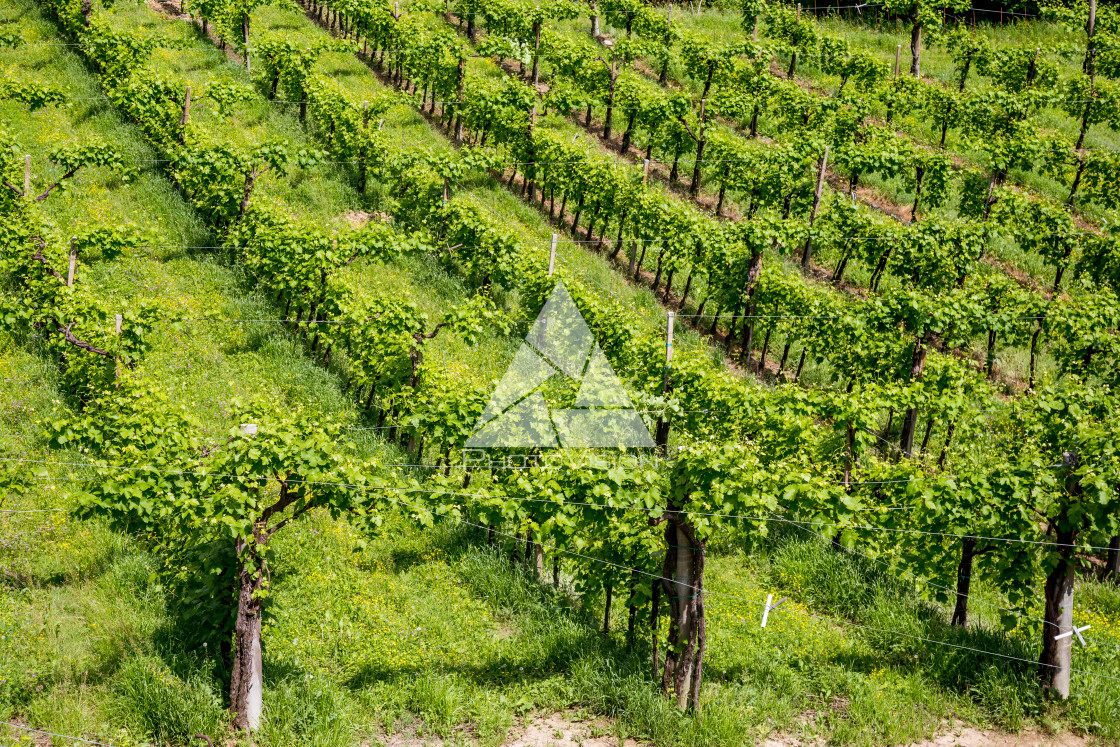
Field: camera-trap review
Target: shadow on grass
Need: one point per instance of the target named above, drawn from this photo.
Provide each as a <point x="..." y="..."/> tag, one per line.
<point x="554" y="629"/>
<point x="905" y="633"/>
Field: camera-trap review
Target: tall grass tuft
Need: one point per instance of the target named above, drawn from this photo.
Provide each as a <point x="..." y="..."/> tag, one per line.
<point x="309" y="711"/>
<point x="440" y="700"/>
<point x="829" y="579"/>
<point x="153" y="703"/>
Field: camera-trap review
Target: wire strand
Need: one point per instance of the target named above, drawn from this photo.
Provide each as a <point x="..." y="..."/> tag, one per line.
<point x="827" y="618"/>
<point x="367" y="488"/>
<point x="51" y="733"/>
<point x="916" y="576"/>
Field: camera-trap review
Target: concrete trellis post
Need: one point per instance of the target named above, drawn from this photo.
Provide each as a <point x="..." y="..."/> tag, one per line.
<point x="769" y="607"/>
<point x="186" y="108"/>
<point x="661" y="438"/>
<point x="117" y="358"/>
<point x="73" y="260"/>
<point x="807" y="252"/>
<point x="668" y="350"/>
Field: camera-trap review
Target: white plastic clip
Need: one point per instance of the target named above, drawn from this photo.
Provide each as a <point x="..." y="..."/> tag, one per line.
<point x="766" y="612"/>
<point x="1076" y="631"/>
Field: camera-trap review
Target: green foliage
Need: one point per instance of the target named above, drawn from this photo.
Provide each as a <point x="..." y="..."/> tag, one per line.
<point x="226" y="95"/>
<point x="486" y="253"/>
<point x="220" y="180"/>
<point x="752" y="10"/>
<point x="72" y="157"/>
<point x="967" y="47"/>
<point x="784" y="26"/>
<point x="117" y="54"/>
<point x="35" y="96"/>
<point x="1093" y="102"/>
<point x="1019" y="69"/>
<point x="1102" y="178"/>
<point x="200" y="500"/>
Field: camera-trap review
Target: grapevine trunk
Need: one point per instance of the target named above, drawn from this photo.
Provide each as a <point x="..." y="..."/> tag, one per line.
<point x="685" y="650"/>
<point x="964" y="580"/>
<point x="245" y="694"/>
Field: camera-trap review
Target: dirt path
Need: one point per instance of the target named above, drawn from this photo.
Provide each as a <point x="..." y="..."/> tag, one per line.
<point x="572" y="729"/>
<point x="969" y="737"/>
<point x="963" y="736"/>
<point x="535" y="730"/>
<point x="175" y="11"/>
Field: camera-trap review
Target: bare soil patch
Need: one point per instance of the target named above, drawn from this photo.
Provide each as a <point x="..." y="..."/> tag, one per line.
<point x="565" y="730"/>
<point x="357" y="218"/>
<point x="174" y="10"/>
<point x="962" y="737"/>
<point x="535" y="730"/>
<point x="978" y="738"/>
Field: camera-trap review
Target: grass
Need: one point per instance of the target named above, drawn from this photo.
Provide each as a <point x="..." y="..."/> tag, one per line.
<point x="148" y="697"/>
<point x="403" y="629"/>
<point x="82" y="613"/>
<point x="431" y="632"/>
